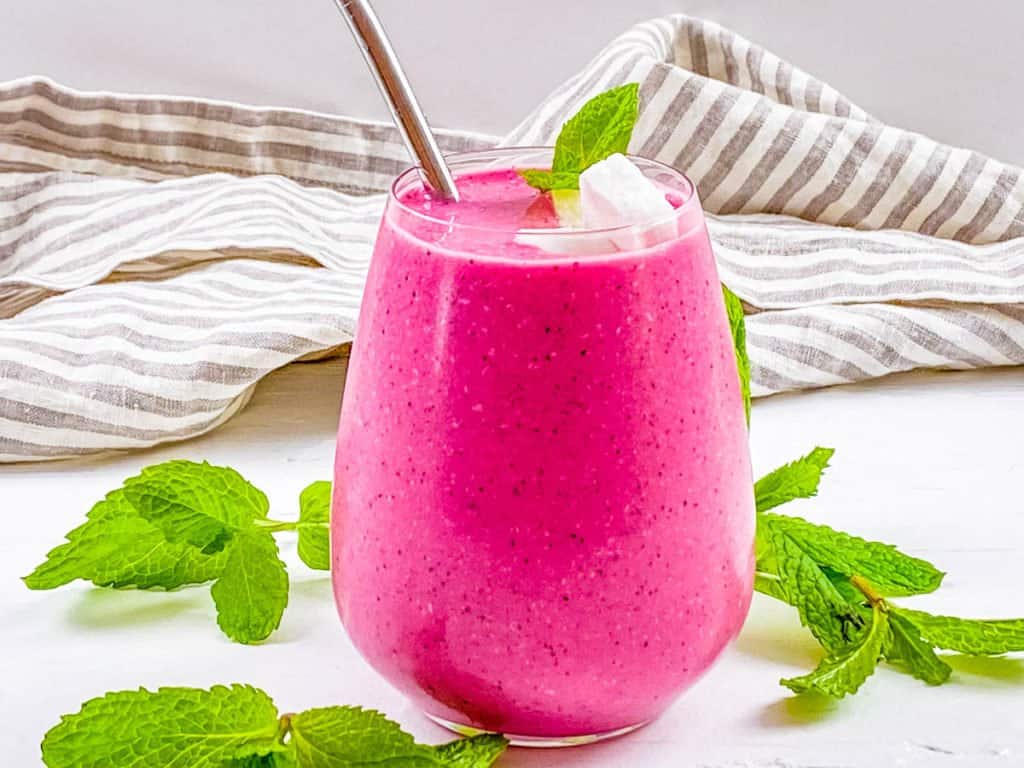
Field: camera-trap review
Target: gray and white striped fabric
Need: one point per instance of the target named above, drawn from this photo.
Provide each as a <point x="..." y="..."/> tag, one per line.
<point x="159" y="256"/>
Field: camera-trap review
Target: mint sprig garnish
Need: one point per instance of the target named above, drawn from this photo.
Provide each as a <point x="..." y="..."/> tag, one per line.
<point x="601" y="128"/>
<point x="841" y="584"/>
<point x="738" y="327"/>
<point x="238" y="726"/>
<point x="182" y="523"/>
<point x="547" y="181"/>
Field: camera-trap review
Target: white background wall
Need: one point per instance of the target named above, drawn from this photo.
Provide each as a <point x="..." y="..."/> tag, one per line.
<point x="951" y="69"/>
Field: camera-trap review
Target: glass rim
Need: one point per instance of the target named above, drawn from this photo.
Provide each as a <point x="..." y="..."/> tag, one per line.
<point x="456" y="159"/>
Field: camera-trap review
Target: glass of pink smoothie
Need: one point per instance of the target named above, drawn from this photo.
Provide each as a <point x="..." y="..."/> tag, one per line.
<point x="543" y="516"/>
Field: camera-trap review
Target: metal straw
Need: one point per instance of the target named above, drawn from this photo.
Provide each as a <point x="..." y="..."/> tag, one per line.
<point x="391" y="80"/>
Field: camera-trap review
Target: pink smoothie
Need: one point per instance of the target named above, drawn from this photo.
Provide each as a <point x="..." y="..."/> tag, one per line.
<point x="543" y="514"/>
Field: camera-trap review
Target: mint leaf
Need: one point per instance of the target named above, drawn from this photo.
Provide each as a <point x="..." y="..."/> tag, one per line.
<point x="350" y="737"/>
<point x="977" y="637"/>
<point x="284" y="759"/>
<point x="770" y="585"/>
<point x="602" y="127"/>
<point x="738" y="327"/>
<point x="345" y="737"/>
<point x="846" y="588"/>
<point x="238" y="727"/>
<point x="181" y="523"/>
<point x="909" y="650"/>
<point x="843" y="673"/>
<point x="315" y="525"/>
<point x="168" y="727"/>
<point x="197" y="504"/>
<point x="890" y="571"/>
<point x="546" y="181"/>
<point x="117" y="548"/>
<point x="475" y="752"/>
<point x="839" y="583"/>
<point x="252" y="592"/>
<point x="797" y="480"/>
<point x="793" y="576"/>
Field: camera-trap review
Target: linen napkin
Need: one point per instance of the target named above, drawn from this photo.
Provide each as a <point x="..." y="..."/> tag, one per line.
<point x="159" y="256"/>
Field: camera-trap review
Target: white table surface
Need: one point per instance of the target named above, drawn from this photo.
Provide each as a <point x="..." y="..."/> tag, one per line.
<point x="932" y="462"/>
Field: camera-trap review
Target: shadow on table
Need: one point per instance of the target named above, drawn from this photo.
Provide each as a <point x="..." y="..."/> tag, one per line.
<point x="118" y="609"/>
<point x="795" y="711"/>
<point x="316" y="588"/>
<point x="782" y="643"/>
<point x="111" y="609"/>
<point x="990" y="671"/>
<point x="771" y="634"/>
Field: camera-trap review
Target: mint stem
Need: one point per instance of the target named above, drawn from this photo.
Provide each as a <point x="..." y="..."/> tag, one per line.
<point x="284" y="726"/>
<point x="276" y="526"/>
<point x="868" y="591"/>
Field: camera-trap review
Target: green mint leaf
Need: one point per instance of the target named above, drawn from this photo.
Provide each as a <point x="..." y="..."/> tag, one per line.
<point x="546" y="181"/>
<point x="347" y="737"/>
<point x="315" y="525"/>
<point x="977" y="637"/>
<point x="168" y="727"/>
<point x="252" y="592"/>
<point x="907" y="649"/>
<point x="887" y="569"/>
<point x="738" y="326"/>
<point x="197" y="504"/>
<point x="846" y="588"/>
<point x="602" y="127"/>
<point x="284" y="759"/>
<point x="793" y="576"/>
<point x="117" y="548"/>
<point x="475" y="752"/>
<point x="770" y="585"/>
<point x="797" y="480"/>
<point x="843" y="673"/>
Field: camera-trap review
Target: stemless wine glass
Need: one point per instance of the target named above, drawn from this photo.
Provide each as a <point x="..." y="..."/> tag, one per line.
<point x="543" y="515"/>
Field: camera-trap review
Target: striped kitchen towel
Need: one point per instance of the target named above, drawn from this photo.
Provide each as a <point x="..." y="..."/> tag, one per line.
<point x="158" y="256"/>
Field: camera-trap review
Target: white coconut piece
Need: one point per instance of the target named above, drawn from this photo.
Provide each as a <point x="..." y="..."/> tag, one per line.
<point x="615" y="193"/>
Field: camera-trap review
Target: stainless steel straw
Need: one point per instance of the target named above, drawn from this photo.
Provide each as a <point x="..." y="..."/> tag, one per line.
<point x="391" y="80"/>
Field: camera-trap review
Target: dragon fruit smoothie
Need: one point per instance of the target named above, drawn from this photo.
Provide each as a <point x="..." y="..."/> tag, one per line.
<point x="543" y="514"/>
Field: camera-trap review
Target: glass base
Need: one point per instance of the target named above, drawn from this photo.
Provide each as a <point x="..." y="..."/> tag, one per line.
<point x="545" y="742"/>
